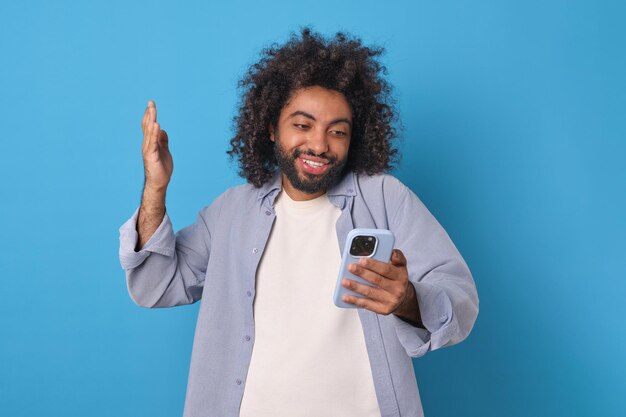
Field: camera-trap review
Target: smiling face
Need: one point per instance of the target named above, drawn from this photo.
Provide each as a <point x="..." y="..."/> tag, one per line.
<point x="312" y="141"/>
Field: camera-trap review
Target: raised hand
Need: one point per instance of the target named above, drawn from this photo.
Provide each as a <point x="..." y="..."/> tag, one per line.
<point x="158" y="167"/>
<point x="157" y="159"/>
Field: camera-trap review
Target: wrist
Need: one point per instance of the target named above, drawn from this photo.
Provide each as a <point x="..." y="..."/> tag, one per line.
<point x="408" y="310"/>
<point x="409" y="299"/>
<point x="154" y="189"/>
<point x="153" y="200"/>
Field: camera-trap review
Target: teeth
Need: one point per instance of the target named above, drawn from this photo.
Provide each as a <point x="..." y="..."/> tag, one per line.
<point x="312" y="163"/>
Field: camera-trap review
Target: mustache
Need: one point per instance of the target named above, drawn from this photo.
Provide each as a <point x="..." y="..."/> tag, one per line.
<point x="309" y="152"/>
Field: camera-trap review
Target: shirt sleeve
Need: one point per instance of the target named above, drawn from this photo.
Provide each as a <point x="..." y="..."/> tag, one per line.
<point x="169" y="270"/>
<point x="445" y="289"/>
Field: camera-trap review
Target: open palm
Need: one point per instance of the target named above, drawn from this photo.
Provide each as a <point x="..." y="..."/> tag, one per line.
<point x="157" y="159"/>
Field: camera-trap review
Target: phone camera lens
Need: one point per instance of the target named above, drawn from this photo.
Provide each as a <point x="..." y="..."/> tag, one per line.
<point x="363" y="246"/>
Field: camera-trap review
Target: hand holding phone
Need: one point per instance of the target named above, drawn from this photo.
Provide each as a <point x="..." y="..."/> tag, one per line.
<point x="361" y="243"/>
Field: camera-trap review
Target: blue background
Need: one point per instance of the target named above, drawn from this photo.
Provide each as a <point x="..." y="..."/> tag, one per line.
<point x="514" y="137"/>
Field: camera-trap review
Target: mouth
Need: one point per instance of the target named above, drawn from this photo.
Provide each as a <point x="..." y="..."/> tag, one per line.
<point x="313" y="165"/>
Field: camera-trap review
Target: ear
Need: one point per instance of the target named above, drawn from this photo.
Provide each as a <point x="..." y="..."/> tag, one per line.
<point x="271" y="129"/>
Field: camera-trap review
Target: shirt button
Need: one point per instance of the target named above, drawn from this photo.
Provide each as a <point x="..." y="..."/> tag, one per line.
<point x="248" y="293"/>
<point x="247" y="338"/>
<point x="238" y="381"/>
<point x="268" y="212"/>
<point x="443" y="319"/>
<point x="350" y="190"/>
<point x="255" y="250"/>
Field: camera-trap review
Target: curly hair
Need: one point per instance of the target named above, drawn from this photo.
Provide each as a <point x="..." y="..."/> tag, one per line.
<point x="342" y="64"/>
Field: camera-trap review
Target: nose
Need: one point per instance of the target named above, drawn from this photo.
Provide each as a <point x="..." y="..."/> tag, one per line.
<point x="318" y="142"/>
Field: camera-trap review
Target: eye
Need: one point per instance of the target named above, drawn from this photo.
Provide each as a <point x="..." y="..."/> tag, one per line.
<point x="338" y="133"/>
<point x="300" y="126"/>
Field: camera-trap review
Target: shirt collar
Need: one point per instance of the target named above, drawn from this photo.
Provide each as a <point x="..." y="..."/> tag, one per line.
<point x="345" y="187"/>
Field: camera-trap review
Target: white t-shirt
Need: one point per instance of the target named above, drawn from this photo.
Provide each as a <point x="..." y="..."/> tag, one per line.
<point x="309" y="357"/>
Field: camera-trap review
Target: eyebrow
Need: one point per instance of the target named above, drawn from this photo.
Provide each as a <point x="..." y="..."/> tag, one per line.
<point x="310" y="116"/>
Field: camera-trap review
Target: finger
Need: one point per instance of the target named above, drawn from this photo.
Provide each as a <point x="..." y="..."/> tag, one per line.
<point x="147" y="132"/>
<point x="150" y="144"/>
<point x="154" y="136"/>
<point x="372" y="293"/>
<point x="398" y="258"/>
<point x="385" y="269"/>
<point x="146" y="114"/>
<point x="364" y="303"/>
<point x="151" y="111"/>
<point x="154" y="127"/>
<point x="144" y="120"/>
<point x="370" y="276"/>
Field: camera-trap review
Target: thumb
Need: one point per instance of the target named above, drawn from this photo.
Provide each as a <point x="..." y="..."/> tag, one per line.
<point x="163" y="138"/>
<point x="397" y="258"/>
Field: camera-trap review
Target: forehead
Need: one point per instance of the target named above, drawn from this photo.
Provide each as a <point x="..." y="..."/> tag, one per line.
<point x="318" y="101"/>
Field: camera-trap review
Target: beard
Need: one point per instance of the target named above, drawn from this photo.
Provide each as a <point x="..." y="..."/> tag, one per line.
<point x="311" y="183"/>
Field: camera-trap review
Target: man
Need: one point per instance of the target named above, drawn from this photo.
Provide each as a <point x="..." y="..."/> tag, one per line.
<point x="313" y="137"/>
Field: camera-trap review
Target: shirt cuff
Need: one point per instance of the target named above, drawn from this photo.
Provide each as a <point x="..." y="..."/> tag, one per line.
<point x="162" y="241"/>
<point x="437" y="316"/>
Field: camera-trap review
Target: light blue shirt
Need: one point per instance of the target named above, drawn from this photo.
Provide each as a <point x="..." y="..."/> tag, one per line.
<point x="216" y="259"/>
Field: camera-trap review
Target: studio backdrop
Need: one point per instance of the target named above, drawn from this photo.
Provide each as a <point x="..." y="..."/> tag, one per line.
<point x="513" y="135"/>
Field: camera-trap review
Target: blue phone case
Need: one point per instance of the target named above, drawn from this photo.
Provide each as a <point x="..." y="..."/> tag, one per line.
<point x="382" y="252"/>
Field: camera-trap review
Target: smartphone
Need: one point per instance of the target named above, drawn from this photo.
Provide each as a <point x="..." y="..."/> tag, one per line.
<point x="361" y="243"/>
